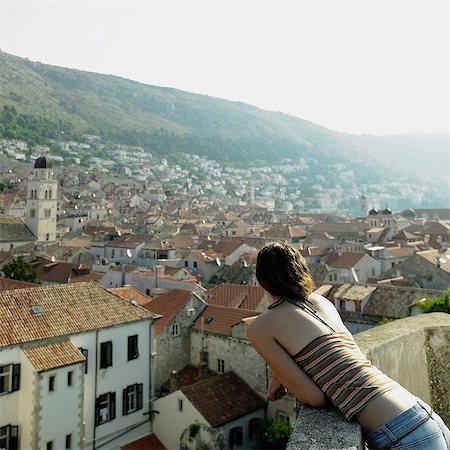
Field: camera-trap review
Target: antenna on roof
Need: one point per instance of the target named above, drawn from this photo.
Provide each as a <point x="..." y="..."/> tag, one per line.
<point x="245" y="263"/>
<point x="129" y="254"/>
<point x="53" y="259"/>
<point x="119" y="233"/>
<point x="218" y="261"/>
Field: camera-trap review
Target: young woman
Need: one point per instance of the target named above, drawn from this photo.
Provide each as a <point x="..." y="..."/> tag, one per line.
<point x="311" y="353"/>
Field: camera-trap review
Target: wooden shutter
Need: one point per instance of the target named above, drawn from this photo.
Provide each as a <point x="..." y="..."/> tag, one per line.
<point x="140" y="395"/>
<point x="112" y="405"/>
<point x="125" y="402"/>
<point x="97" y="411"/>
<point x="15" y="386"/>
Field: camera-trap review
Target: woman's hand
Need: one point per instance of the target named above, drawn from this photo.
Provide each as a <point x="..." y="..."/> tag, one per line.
<point x="275" y="391"/>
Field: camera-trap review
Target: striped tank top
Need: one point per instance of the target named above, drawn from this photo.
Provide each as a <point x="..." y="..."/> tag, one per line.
<point x="337" y="365"/>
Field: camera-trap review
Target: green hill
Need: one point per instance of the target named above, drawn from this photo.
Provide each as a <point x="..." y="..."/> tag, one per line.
<point x="52" y="102"/>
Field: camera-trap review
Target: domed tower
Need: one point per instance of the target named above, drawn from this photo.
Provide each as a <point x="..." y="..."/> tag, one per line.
<point x="42" y="201"/>
<point x="374" y="219"/>
<point x="250" y="194"/>
<point x="363" y="206"/>
<point x="387" y="217"/>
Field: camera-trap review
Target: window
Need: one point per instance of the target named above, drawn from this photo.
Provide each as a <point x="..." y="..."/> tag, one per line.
<point x="9" y="378"/>
<point x="105" y="354"/>
<point x="147" y="292"/>
<point x="254" y="426"/>
<point x="195" y="264"/>
<point x="68" y="441"/>
<point x="180" y="404"/>
<point x="175" y="330"/>
<point x="133" y="351"/>
<point x="9" y="437"/>
<point x="70" y="378"/>
<point x="282" y="416"/>
<point x="105" y="408"/>
<point x="50" y="193"/>
<point x="47" y="213"/>
<point x="49" y="445"/>
<point x="342" y="305"/>
<point x="132" y="398"/>
<point x="186" y="264"/>
<point x="32" y="213"/>
<point x="220" y="365"/>
<point x="236" y="437"/>
<point x="112" y="253"/>
<point x="51" y="383"/>
<point x="85" y="353"/>
<point x="47" y="237"/>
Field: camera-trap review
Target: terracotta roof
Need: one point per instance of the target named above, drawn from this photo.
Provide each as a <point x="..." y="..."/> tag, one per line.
<point x="13" y="229"/>
<point x="400" y="252"/>
<point x="354" y="291"/>
<point x="187" y="376"/>
<point x="4" y="256"/>
<point x="323" y="290"/>
<point x="347" y="260"/>
<point x="225" y="248"/>
<point x="223" y="398"/>
<point x="236" y="296"/>
<point x="432" y="257"/>
<point x="168" y="305"/>
<point x="129" y="293"/>
<point x="51" y="356"/>
<point x="150" y="442"/>
<point x="66" y="309"/>
<point x="208" y="256"/>
<point x="7" y="284"/>
<point x="62" y="272"/>
<point x="395" y="301"/>
<point x="220" y="319"/>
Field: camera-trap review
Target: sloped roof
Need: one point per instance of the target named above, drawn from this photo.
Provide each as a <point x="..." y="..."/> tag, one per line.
<point x="236" y="296"/>
<point x="129" y="293"/>
<point x="150" y="442"/>
<point x="62" y="272"/>
<point x="395" y="301"/>
<point x="220" y="319"/>
<point x="432" y="255"/>
<point x="223" y="398"/>
<point x="357" y="292"/>
<point x="168" y="305"/>
<point x="347" y="260"/>
<point x="7" y="284"/>
<point x="51" y="356"/>
<point x="187" y="376"/>
<point x="66" y="309"/>
<point x="13" y="229"/>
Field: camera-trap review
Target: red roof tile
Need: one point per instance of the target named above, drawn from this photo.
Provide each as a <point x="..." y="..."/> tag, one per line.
<point x="7" y="284"/>
<point x="168" y="305"/>
<point x="347" y="260"/>
<point x="51" y="356"/>
<point x="219" y="319"/>
<point x="223" y="398"/>
<point x="66" y="309"/>
<point x="236" y="296"/>
<point x="129" y="293"/>
<point x="150" y="442"/>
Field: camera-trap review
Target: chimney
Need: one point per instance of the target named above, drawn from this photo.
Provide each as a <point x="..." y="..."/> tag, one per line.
<point x="173" y="381"/>
<point x="159" y="272"/>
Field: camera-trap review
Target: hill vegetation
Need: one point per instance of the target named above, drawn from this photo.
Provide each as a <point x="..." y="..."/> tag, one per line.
<point x="47" y="102"/>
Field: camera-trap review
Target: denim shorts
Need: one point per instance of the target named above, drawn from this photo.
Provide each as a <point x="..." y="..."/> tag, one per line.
<point x="417" y="428"/>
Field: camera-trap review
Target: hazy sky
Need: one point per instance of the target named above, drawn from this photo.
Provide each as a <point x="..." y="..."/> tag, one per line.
<point x="358" y="67"/>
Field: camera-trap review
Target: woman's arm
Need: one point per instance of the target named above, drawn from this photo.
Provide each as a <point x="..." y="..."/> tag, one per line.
<point x="285" y="369"/>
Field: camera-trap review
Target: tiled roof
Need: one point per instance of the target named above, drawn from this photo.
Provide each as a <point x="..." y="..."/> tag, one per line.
<point x="129" y="293"/>
<point x="347" y="260"/>
<point x="13" y="229"/>
<point x="400" y="252"/>
<point x="220" y="319"/>
<point x="150" y="442"/>
<point x="51" y="356"/>
<point x="395" y="301"/>
<point x="354" y="291"/>
<point x="207" y="256"/>
<point x="432" y="257"/>
<point x="223" y="398"/>
<point x="187" y="376"/>
<point x="4" y="256"/>
<point x="168" y="305"/>
<point x="66" y="309"/>
<point x="62" y="272"/>
<point x="236" y="296"/>
<point x="324" y="289"/>
<point x="7" y="284"/>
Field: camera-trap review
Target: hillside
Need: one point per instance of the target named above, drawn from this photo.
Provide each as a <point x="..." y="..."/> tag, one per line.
<point x="166" y="121"/>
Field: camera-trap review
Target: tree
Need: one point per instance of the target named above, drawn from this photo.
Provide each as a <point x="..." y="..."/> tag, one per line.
<point x="437" y="304"/>
<point x="274" y="434"/>
<point x="20" y="269"/>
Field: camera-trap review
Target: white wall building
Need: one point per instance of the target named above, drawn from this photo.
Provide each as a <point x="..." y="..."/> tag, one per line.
<point x="75" y="371"/>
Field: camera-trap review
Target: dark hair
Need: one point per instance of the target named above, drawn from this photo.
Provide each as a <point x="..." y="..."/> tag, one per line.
<point x="282" y="270"/>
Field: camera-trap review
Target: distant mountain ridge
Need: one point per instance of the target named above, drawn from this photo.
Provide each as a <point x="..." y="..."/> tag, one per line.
<point x="166" y="120"/>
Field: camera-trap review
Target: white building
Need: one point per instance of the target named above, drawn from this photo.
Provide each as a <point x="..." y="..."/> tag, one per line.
<point x="75" y="368"/>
